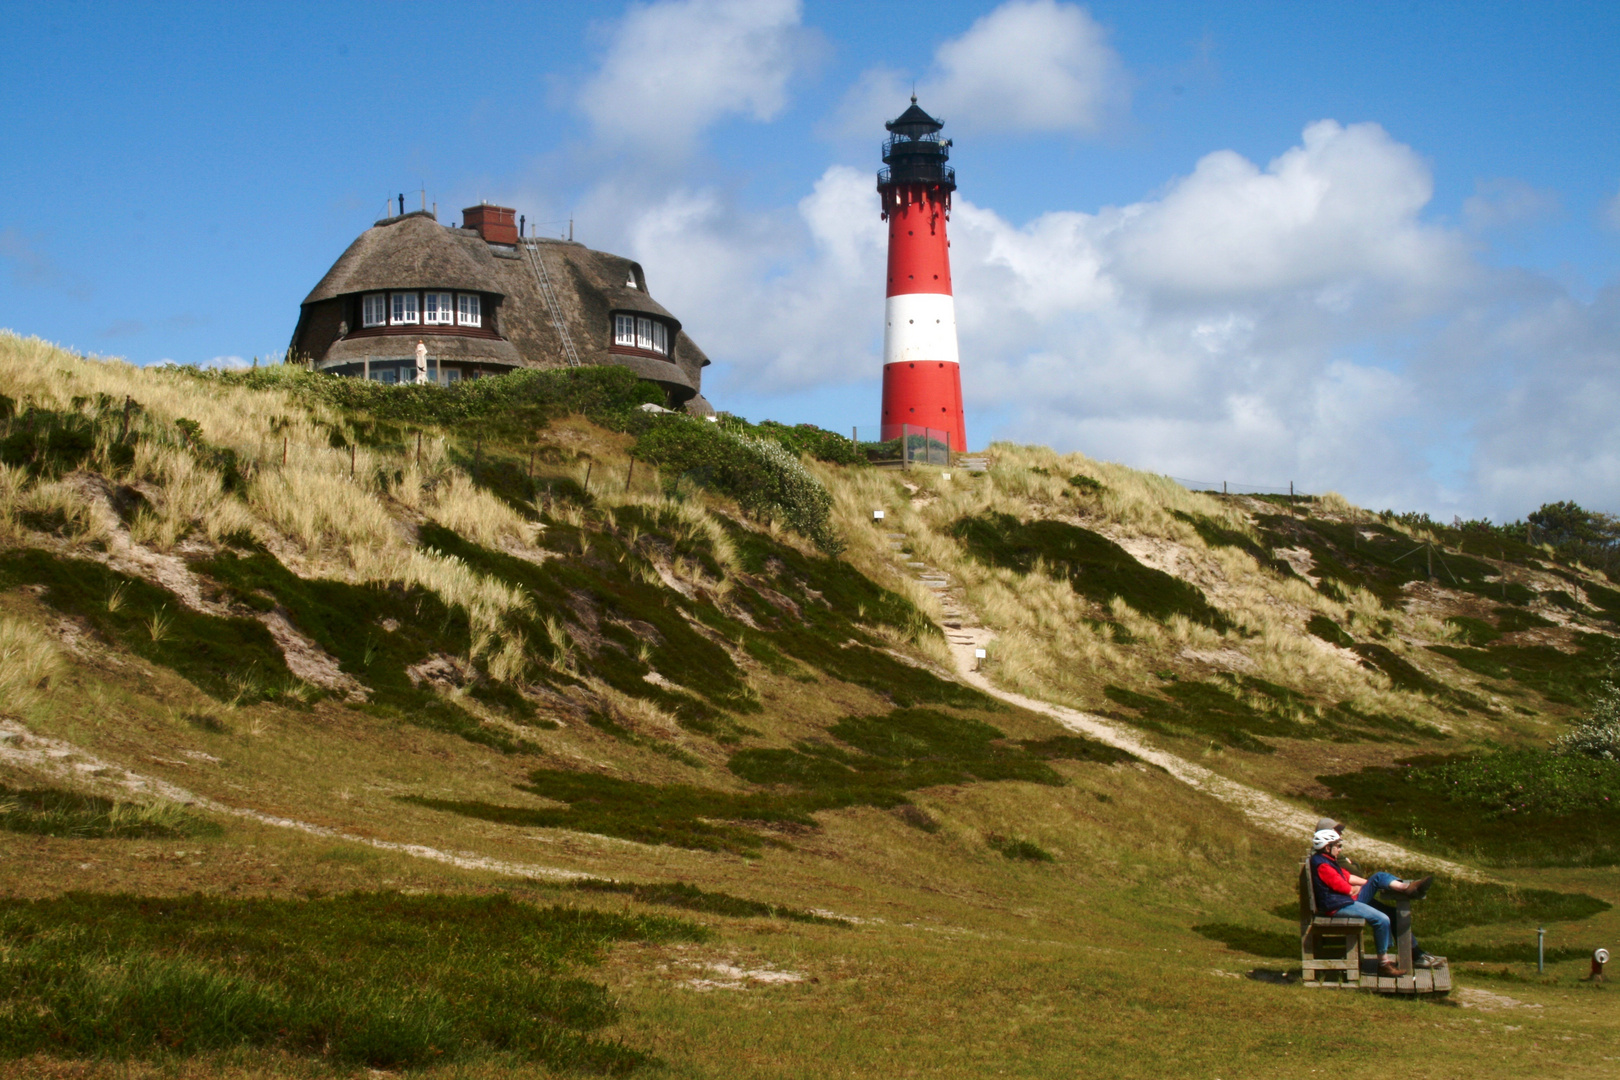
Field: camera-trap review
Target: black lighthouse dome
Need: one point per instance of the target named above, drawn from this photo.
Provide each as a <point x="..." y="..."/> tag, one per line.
<point x="914" y="152"/>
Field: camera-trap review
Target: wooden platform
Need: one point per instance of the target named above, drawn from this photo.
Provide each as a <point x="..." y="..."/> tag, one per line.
<point x="1422" y="981"/>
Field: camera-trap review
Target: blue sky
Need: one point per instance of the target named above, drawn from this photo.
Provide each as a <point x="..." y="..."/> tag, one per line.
<point x="1373" y="248"/>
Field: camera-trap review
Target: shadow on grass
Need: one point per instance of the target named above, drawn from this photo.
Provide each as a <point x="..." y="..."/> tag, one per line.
<point x="881" y="759"/>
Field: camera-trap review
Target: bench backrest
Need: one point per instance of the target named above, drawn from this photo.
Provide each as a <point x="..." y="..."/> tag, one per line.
<point x="1307" y="893"/>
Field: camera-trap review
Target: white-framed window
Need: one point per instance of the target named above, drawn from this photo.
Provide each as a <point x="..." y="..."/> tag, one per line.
<point x="388" y="375"/>
<point x="660" y="338"/>
<point x="374" y="309"/>
<point x="404" y="308"/>
<point x="644" y="333"/>
<point x="624" y="330"/>
<point x="469" y="310"/>
<point x="452" y="375"/>
<point x="438" y="308"/>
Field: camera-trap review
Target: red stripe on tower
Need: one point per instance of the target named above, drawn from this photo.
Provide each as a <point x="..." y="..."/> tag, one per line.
<point x="922" y="381"/>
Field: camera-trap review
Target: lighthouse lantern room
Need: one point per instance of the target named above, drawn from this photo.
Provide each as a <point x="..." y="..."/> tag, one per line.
<point x="922" y="384"/>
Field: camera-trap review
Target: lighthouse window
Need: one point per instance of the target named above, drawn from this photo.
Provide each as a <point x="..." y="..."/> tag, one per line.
<point x="437" y="309"/>
<point x="405" y="310"/>
<point x="468" y="309"/>
<point x="374" y="309"/>
<point x="624" y="330"/>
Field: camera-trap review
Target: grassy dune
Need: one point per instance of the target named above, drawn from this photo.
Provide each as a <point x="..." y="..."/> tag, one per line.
<point x="702" y="792"/>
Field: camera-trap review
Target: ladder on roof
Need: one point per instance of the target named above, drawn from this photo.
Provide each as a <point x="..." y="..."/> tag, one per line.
<point x="538" y="265"/>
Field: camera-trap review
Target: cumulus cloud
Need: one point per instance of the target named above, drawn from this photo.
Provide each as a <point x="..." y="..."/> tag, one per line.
<point x="674" y="68"/>
<point x="1507" y="203"/>
<point x="1293" y="320"/>
<point x="1030" y="66"/>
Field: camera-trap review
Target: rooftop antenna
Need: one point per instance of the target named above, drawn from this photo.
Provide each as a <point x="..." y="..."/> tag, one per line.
<point x="570" y="228"/>
<point x="402" y="204"/>
<point x="914" y="91"/>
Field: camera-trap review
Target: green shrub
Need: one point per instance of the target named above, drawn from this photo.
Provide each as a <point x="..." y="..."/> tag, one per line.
<point x="1597" y="734"/>
<point x="766" y="478"/>
<point x="381" y="979"/>
<point x="1508" y="808"/>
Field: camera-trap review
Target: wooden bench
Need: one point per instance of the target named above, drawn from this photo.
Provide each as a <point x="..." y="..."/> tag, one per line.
<point x="1331" y="945"/>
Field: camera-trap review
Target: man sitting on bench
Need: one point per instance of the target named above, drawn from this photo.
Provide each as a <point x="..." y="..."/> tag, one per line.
<point x="1348" y="896"/>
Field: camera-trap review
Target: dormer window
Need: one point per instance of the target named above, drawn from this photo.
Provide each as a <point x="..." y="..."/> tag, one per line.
<point x="469" y="310"/>
<point x="640" y="332"/>
<point x="438" y="308"/>
<point x="374" y="309"/>
<point x="630" y="281"/>
<point x="404" y="309"/>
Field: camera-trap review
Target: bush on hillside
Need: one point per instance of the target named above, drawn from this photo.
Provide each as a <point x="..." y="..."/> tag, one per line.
<point x="610" y="396"/>
<point x="1596" y="735"/>
<point x="819" y="443"/>
<point x="766" y="478"/>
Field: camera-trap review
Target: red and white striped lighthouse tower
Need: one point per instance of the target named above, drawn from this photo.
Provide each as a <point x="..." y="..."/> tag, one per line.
<point x="922" y="382"/>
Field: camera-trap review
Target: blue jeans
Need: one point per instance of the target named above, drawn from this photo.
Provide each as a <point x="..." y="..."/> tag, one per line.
<point x="1379" y="916"/>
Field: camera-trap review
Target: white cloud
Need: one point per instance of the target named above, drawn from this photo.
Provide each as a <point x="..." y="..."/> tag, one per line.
<point x="1340" y="210"/>
<point x="232" y="363"/>
<point x="1505" y="203"/>
<point x="674" y="68"/>
<point x="1298" y="320"/>
<point x="1029" y="65"/>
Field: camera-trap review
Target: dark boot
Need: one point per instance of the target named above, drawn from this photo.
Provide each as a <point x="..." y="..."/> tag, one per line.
<point x="1417" y="890"/>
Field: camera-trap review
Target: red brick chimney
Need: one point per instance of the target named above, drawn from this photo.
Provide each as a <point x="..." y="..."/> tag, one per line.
<point x="495" y="224"/>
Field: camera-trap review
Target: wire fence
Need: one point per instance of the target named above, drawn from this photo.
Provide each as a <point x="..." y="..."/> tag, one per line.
<point x="1230" y="487"/>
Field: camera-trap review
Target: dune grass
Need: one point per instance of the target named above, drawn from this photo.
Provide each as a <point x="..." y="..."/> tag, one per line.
<point x="49" y="811"/>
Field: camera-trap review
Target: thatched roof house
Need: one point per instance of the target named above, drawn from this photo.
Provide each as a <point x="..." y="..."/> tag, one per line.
<point x="483" y="300"/>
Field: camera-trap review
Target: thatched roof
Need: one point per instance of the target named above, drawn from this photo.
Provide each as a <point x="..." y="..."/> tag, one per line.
<point x="409" y="252"/>
<point x="414" y="251"/>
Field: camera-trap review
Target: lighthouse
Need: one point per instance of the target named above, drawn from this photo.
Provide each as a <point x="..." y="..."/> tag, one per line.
<point x="922" y="382"/>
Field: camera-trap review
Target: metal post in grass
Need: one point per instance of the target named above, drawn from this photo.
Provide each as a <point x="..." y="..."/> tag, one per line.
<point x="629" y="473"/>
<point x="588" y="465"/>
<point x="351" y="461"/>
<point x="1541" y="950"/>
<point x="418" y="449"/>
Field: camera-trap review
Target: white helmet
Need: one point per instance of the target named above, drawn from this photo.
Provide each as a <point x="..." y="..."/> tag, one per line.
<point x="1324" y="838"/>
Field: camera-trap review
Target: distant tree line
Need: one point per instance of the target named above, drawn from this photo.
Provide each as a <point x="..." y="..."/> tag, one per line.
<point x="1575" y="533"/>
